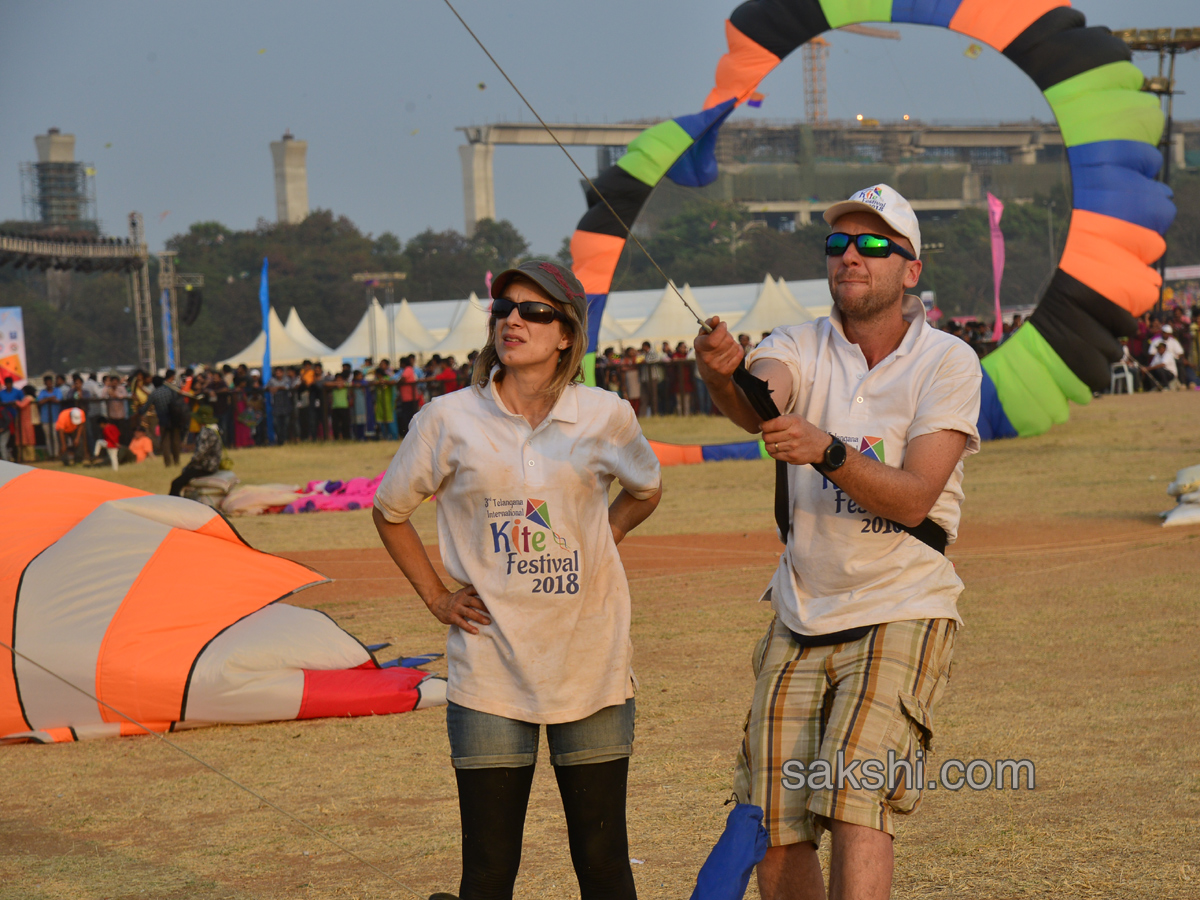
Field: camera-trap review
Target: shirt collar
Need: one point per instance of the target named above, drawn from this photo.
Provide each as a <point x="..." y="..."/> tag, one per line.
<point x="911" y="309"/>
<point x="565" y="410"/>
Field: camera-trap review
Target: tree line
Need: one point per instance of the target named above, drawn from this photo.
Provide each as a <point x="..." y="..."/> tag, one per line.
<point x="701" y="242"/>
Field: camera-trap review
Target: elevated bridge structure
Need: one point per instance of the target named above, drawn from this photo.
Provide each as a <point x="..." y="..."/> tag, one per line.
<point x="67" y="252"/>
<point x="784" y="169"/>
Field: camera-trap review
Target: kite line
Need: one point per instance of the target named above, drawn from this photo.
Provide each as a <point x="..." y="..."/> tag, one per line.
<point x="633" y="237"/>
<point x="253" y="793"/>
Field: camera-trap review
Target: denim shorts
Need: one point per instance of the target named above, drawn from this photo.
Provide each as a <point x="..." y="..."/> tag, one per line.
<point x="480" y="740"/>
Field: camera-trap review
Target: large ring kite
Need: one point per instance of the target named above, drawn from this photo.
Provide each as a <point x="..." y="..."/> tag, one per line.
<point x="1110" y="129"/>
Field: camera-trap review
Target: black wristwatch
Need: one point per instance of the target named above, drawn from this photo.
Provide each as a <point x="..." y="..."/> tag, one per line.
<point x="835" y="457"/>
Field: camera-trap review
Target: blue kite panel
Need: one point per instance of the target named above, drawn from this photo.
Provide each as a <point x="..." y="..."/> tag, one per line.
<point x="720" y="452"/>
<point x="698" y="123"/>
<point x="1116" y="178"/>
<point x="596" y="304"/>
<point x="925" y="12"/>
<point x="698" y="164"/>
<point x="742" y="845"/>
<point x="993" y="423"/>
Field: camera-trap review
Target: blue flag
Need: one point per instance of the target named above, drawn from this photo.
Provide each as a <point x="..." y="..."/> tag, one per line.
<point x="264" y="300"/>
<point x="167" y="325"/>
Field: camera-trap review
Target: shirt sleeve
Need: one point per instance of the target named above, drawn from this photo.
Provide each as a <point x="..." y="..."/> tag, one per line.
<point x="950" y="402"/>
<point x="637" y="467"/>
<point x="780" y="345"/>
<point x="414" y="474"/>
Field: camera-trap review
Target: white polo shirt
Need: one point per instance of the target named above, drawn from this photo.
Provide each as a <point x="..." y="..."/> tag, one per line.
<point x="844" y="566"/>
<point x="522" y="515"/>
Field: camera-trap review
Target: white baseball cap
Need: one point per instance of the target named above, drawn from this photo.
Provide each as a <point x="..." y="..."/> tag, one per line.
<point x="886" y="203"/>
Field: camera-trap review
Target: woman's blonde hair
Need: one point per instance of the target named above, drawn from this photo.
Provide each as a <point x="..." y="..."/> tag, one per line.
<point x="570" y="361"/>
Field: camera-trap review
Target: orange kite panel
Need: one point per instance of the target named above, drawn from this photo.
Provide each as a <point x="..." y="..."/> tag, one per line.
<point x="741" y="69"/>
<point x="998" y="24"/>
<point x="594" y="259"/>
<point x="171" y="613"/>
<point x="46" y="512"/>
<point x="217" y="527"/>
<point x="677" y="454"/>
<point x="1113" y="257"/>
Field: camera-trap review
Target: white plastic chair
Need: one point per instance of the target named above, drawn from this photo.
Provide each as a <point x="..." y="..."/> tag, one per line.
<point x="1121" y="375"/>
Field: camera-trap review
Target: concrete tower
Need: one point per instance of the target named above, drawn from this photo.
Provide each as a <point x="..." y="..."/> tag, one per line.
<point x="291" y="179"/>
<point x="55" y="147"/>
<point x="479" y="195"/>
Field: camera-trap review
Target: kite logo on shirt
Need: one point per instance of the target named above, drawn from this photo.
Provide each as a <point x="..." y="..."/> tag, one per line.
<point x="872" y="448"/>
<point x="538" y="511"/>
<point x="521" y="535"/>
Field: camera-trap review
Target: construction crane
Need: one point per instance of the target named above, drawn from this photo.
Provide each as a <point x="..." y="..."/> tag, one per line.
<point x="815" y="57"/>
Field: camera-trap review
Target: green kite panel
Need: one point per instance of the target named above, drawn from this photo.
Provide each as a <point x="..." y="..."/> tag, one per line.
<point x="1106" y="104"/>
<point x="654" y="151"/>
<point x="850" y="12"/>
<point x="1032" y="383"/>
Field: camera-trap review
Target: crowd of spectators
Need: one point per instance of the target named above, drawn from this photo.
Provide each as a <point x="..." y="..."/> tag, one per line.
<point x="93" y="418"/>
<point x="97" y="419"/>
<point x="1163" y="353"/>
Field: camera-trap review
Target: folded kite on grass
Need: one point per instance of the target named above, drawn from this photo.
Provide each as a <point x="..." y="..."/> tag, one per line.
<point x="123" y="605"/>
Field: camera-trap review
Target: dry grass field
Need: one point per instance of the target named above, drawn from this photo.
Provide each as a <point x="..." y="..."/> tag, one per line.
<point x="1079" y="654"/>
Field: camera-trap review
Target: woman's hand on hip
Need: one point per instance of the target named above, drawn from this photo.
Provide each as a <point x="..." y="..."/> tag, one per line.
<point x="461" y="608"/>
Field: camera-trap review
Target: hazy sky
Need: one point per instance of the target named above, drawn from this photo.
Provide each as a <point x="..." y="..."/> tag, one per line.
<point x="176" y="105"/>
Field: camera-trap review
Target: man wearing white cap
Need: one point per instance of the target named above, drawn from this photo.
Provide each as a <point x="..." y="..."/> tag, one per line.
<point x="879" y="411"/>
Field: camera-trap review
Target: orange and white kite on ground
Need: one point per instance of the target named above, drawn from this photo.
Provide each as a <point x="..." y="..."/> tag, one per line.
<point x="157" y="607"/>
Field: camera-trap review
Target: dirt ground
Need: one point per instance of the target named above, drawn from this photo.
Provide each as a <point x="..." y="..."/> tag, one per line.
<point x="1079" y="653"/>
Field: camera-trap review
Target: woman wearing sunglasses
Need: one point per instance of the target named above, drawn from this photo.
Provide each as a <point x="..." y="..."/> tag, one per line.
<point x="521" y="464"/>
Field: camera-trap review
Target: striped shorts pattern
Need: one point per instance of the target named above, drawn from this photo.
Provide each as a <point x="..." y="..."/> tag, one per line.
<point x="863" y="699"/>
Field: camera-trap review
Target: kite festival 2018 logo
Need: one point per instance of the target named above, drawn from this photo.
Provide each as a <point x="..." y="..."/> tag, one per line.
<point x="529" y="547"/>
<point x="872" y="196"/>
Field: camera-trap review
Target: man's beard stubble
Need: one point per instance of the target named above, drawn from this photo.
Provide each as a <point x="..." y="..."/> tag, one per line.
<point x="873" y="303"/>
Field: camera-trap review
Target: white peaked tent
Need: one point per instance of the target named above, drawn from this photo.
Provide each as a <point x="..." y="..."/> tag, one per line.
<point x="468" y="333"/>
<point x="812" y="294"/>
<point x="409" y="330"/>
<point x="611" y="331"/>
<point x="370" y="336"/>
<point x="285" y="349"/>
<point x="775" y="306"/>
<point x="297" y="330"/>
<point x="670" y="320"/>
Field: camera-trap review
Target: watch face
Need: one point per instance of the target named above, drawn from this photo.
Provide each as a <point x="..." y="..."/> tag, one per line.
<point x="835" y="454"/>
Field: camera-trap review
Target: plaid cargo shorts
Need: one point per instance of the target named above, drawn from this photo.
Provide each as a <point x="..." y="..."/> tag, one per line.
<point x="844" y="702"/>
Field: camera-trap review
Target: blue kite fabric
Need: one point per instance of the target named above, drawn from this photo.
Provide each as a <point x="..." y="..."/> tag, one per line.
<point x="740" y="848"/>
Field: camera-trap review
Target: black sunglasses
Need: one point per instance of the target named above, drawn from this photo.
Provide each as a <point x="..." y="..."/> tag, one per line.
<point x="874" y="245"/>
<point x="530" y="310"/>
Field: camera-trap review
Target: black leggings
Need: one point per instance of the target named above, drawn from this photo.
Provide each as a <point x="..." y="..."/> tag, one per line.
<point x="492" y="805"/>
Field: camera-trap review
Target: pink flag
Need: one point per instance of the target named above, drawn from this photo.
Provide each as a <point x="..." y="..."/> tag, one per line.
<point x="995" y="211"/>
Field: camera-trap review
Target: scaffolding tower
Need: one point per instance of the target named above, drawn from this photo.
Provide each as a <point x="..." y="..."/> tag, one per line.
<point x="815" y="56"/>
<point x="170" y="281"/>
<point x="1167" y="43"/>
<point x="60" y="195"/>
<point x="139" y="296"/>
